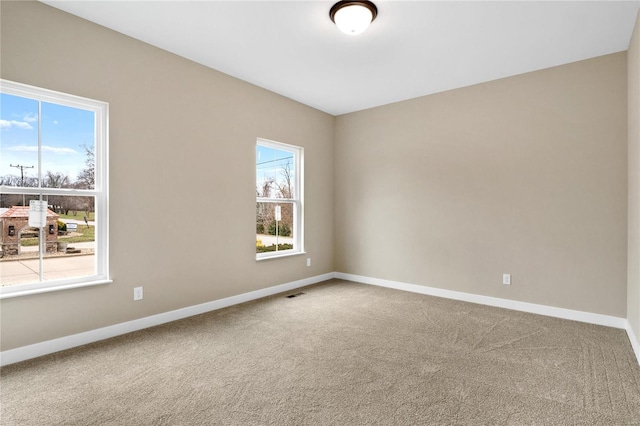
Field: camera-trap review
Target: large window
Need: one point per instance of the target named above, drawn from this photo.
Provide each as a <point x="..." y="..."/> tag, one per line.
<point x="53" y="190"/>
<point x="279" y="210"/>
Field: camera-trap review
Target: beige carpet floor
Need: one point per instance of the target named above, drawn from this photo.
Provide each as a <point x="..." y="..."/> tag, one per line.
<point x="340" y="354"/>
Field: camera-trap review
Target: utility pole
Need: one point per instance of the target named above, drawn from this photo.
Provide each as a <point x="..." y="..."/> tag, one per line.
<point x="18" y="166"/>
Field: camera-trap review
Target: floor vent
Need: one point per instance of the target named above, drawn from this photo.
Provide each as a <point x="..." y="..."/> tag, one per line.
<point x="291" y="296"/>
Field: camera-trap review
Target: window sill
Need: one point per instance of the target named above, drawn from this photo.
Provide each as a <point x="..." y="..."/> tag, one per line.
<point x="31" y="291"/>
<point x="279" y="256"/>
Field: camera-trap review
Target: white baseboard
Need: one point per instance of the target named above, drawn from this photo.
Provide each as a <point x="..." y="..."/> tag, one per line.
<point x="533" y="308"/>
<point x="44" y="348"/>
<point x="24" y="353"/>
<point x="634" y="341"/>
<point x="515" y="305"/>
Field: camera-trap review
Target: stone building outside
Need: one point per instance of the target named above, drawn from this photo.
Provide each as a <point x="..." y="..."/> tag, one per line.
<point x="16" y="219"/>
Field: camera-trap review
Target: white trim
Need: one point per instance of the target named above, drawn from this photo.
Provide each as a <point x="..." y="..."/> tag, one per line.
<point x="515" y="305"/>
<point x="281" y="253"/>
<point x="633" y="340"/>
<point x="550" y="311"/>
<point x="50" y="96"/>
<point x="28" y="290"/>
<point x="34" y="190"/>
<point x="24" y="353"/>
<point x="100" y="192"/>
<point x="44" y="348"/>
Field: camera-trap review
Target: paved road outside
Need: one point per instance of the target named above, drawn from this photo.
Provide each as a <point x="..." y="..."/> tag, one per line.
<point x="26" y="270"/>
<point x="21" y="271"/>
<point x="85" y="245"/>
<point x="268" y="240"/>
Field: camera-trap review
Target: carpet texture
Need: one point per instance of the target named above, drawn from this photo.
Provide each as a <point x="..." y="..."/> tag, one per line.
<point x="340" y="354"/>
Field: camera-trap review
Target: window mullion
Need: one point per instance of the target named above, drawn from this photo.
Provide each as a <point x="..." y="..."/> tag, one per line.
<point x="42" y="244"/>
<point x="51" y="191"/>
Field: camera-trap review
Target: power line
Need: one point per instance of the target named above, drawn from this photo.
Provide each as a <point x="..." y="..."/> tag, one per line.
<point x="271" y="161"/>
<point x="18" y="166"/>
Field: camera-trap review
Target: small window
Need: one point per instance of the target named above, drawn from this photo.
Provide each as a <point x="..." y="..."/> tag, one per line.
<point x="53" y="159"/>
<point x="279" y="210"/>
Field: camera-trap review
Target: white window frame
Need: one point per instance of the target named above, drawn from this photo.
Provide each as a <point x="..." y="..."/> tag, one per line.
<point x="100" y="192"/>
<point x="297" y="200"/>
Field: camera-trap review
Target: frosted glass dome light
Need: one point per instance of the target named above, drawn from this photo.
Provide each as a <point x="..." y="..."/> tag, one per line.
<point x="353" y="17"/>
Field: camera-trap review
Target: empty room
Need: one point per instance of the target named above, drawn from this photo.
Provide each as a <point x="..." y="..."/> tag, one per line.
<point x="319" y="212"/>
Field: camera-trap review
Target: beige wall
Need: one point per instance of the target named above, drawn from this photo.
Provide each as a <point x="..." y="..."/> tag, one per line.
<point x="633" y="267"/>
<point x="524" y="175"/>
<point x="183" y="143"/>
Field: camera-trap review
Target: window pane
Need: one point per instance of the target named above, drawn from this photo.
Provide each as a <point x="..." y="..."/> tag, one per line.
<point x="10" y="200"/>
<point x="274" y="232"/>
<point x="68" y="235"/>
<point x="74" y="252"/>
<point x="18" y="141"/>
<point x="275" y="172"/>
<point x="68" y="146"/>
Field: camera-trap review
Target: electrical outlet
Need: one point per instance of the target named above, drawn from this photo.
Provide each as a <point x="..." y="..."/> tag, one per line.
<point x="308" y="261"/>
<point x="506" y="279"/>
<point x="137" y="293"/>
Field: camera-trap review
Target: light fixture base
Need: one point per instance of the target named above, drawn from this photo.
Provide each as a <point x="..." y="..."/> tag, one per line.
<point x="353" y="24"/>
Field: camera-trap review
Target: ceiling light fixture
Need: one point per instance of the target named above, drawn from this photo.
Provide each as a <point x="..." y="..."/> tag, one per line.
<point x="353" y="17"/>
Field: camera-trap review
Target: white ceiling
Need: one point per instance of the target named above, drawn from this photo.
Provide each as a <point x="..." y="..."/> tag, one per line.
<point x="413" y="48"/>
